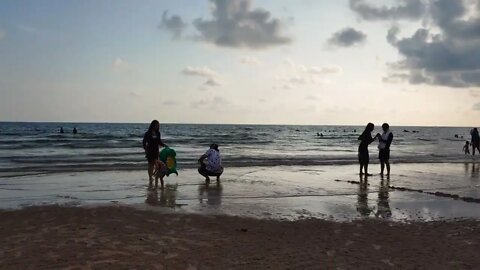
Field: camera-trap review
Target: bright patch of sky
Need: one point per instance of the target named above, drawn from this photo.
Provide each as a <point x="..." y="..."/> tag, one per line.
<point x="239" y="61"/>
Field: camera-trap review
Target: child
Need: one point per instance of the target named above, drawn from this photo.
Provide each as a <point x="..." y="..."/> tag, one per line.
<point x="466" y="148"/>
<point x="160" y="172"/>
<point x="211" y="164"/>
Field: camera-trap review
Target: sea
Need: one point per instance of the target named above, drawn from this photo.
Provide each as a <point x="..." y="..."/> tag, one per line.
<point x="39" y="148"/>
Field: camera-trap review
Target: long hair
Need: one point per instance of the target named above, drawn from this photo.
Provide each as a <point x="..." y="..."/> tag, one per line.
<point x="370" y="127"/>
<point x="152" y="126"/>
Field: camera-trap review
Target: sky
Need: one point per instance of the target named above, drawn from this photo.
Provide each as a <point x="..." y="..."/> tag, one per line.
<point x="316" y="62"/>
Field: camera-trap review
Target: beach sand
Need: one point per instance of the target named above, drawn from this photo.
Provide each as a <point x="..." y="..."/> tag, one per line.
<point x="54" y="237"/>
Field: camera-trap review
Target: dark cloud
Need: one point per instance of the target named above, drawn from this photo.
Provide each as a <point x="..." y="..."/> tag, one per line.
<point x="347" y="37"/>
<point x="447" y="52"/>
<point x="408" y="9"/>
<point x="235" y="24"/>
<point x="174" y="24"/>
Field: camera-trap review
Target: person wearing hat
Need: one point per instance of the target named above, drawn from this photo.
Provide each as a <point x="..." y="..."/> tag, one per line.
<point x="211" y="163"/>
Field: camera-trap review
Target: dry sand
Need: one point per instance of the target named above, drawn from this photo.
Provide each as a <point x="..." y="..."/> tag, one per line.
<point x="124" y="238"/>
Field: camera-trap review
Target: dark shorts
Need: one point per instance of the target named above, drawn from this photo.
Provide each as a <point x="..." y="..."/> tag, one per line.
<point x="363" y="157"/>
<point x="203" y="171"/>
<point x="384" y="155"/>
<point x="152" y="156"/>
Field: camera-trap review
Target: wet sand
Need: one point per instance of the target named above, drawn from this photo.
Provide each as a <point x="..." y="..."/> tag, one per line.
<point x="414" y="192"/>
<point x="54" y="237"/>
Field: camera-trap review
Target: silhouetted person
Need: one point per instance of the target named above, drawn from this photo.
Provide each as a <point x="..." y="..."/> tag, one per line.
<point x="475" y="141"/>
<point x="384" y="141"/>
<point x="365" y="139"/>
<point x="383" y="204"/>
<point x="362" y="198"/>
<point x="152" y="141"/>
<point x="211" y="164"/>
<point x="466" y="148"/>
<point x="61" y="130"/>
<point x="75" y="130"/>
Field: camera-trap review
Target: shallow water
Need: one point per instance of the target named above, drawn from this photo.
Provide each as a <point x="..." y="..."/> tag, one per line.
<point x="283" y="192"/>
<point x="33" y="148"/>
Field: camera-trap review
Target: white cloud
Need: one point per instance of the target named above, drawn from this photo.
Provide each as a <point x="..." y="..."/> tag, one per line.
<point x="250" y="60"/>
<point x="120" y="65"/>
<point x="203" y="72"/>
<point x="296" y="75"/>
<point x="212" y="82"/>
<point x="210" y="103"/>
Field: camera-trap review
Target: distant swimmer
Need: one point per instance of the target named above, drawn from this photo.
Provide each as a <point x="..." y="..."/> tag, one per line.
<point x="466" y="148"/>
<point x="365" y="139"/>
<point x="211" y="164"/>
<point x="456" y="135"/>
<point x="405" y="130"/>
<point x="61" y="130"/>
<point x="384" y="141"/>
<point x="319" y="134"/>
<point x="75" y="130"/>
<point x="475" y="141"/>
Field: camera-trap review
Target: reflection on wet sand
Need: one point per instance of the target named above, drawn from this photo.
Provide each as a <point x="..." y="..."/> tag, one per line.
<point x="213" y="193"/>
<point x="165" y="197"/>
<point x="362" y="197"/>
<point x="383" y="204"/>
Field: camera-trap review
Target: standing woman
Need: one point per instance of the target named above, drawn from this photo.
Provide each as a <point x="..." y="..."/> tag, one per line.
<point x="475" y="140"/>
<point x="363" y="156"/>
<point x="152" y="140"/>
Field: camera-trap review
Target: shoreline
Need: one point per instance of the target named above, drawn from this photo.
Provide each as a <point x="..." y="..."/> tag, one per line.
<point x="413" y="192"/>
<point x="123" y="237"/>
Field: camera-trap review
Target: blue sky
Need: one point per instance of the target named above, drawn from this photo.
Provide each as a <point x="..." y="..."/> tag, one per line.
<point x="282" y="62"/>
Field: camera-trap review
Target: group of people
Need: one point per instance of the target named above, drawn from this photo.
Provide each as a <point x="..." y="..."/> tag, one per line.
<point x="474" y="143"/>
<point x="74" y="131"/>
<point x="384" y="141"/>
<point x="210" y="163"/>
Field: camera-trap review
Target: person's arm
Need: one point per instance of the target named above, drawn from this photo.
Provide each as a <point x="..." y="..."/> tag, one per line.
<point x="204" y="156"/>
<point x="389" y="141"/>
<point x="160" y="142"/>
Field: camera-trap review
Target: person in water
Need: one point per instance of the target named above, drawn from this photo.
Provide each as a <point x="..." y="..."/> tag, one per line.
<point x="211" y="163"/>
<point x="75" y="130"/>
<point x="152" y="141"/>
<point x="61" y="130"/>
<point x="466" y="148"/>
<point x="384" y="141"/>
<point x="475" y="141"/>
<point x="365" y="139"/>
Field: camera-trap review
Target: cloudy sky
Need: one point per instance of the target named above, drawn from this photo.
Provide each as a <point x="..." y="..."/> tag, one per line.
<point x="407" y="62"/>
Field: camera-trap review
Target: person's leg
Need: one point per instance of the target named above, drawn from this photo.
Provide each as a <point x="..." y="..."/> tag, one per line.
<point x="203" y="171"/>
<point x="156" y="181"/>
<point x="151" y="168"/>
<point x="361" y="169"/>
<point x="161" y="182"/>
<point x="366" y="169"/>
<point x="382" y="167"/>
<point x="387" y="162"/>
